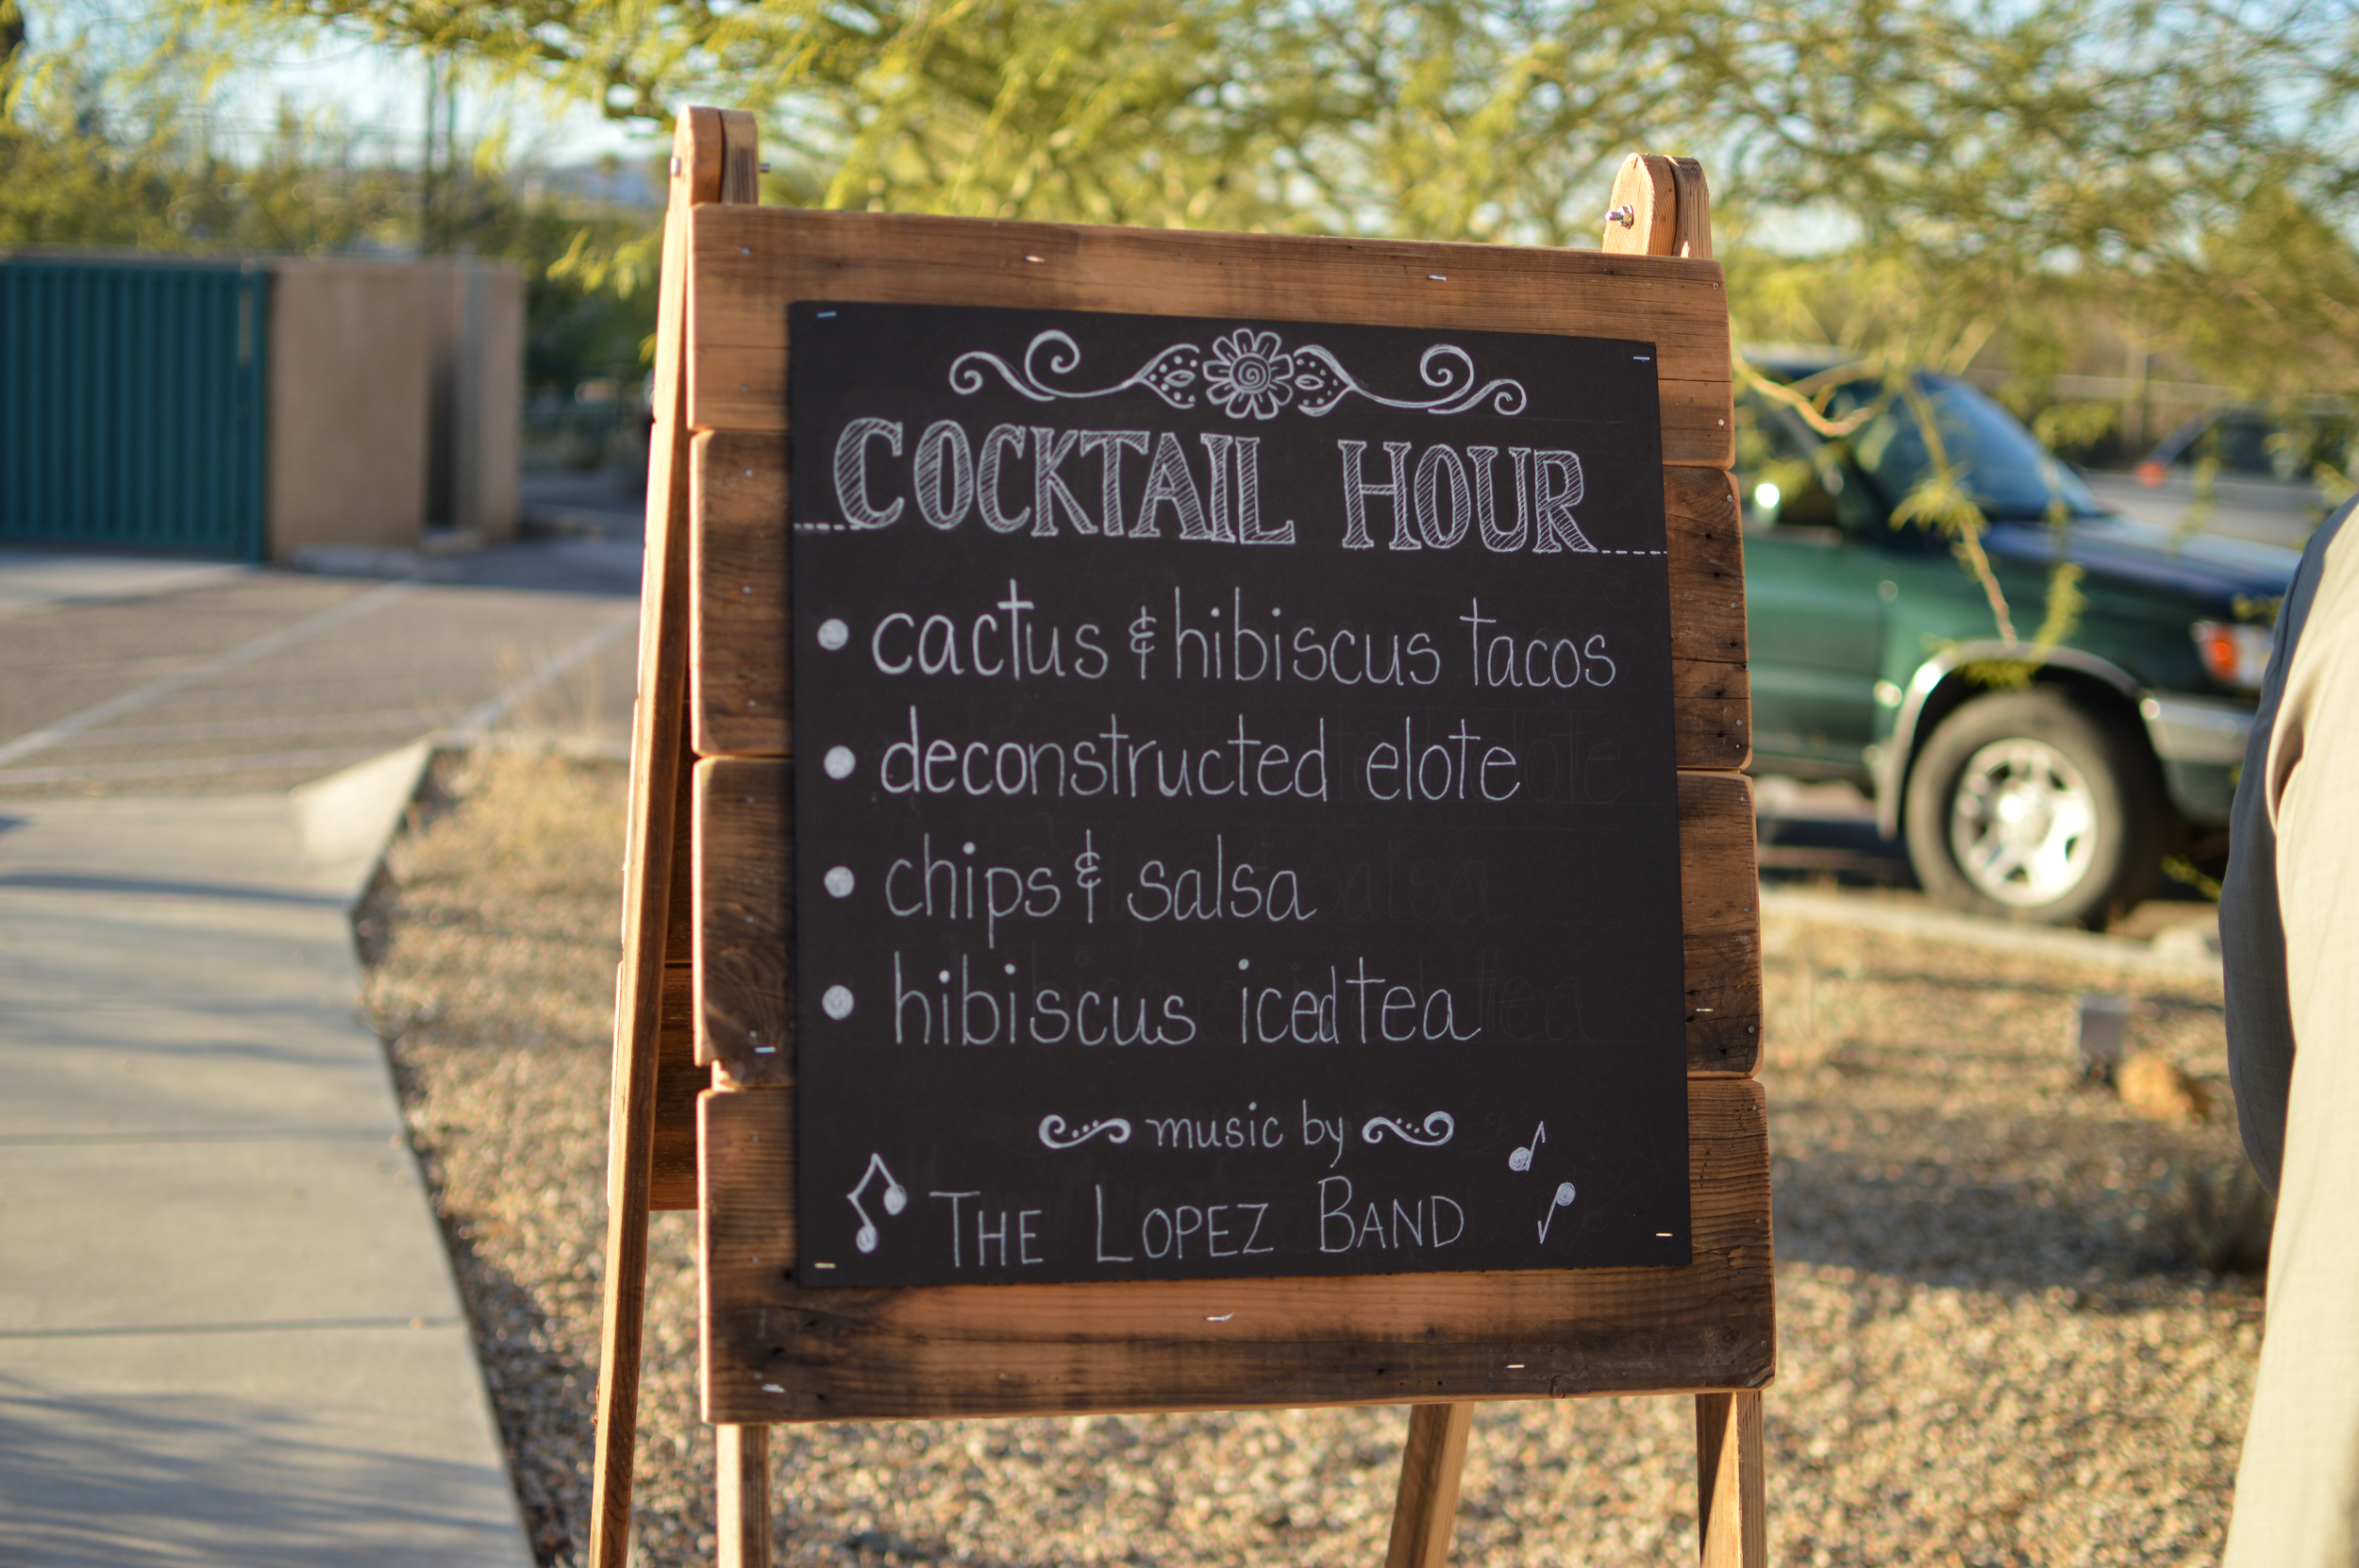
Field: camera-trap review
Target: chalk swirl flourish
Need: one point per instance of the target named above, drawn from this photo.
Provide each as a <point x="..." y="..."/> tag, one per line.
<point x="1058" y="1133"/>
<point x="1246" y="373"/>
<point x="1439" y="1128"/>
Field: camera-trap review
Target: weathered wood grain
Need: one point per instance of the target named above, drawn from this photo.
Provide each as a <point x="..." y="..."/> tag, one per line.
<point x="745" y="909"/>
<point x="774" y="1352"/>
<point x="741" y="661"/>
<point x="1703" y="528"/>
<point x="745" y="918"/>
<point x="1711" y="714"/>
<point x="751" y="262"/>
<point x="740" y="657"/>
<point x="1720" y="921"/>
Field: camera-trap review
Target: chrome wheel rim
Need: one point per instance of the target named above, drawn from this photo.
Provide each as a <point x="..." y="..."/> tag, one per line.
<point x="2022" y="822"/>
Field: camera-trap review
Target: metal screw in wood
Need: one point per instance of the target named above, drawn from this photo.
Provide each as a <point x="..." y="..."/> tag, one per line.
<point x="1625" y="215"/>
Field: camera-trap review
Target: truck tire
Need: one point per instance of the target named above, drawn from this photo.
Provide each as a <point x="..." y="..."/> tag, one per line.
<point x="2026" y="807"/>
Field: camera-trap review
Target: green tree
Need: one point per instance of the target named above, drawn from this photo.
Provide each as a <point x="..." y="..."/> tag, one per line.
<point x="1925" y="181"/>
<point x="1931" y="174"/>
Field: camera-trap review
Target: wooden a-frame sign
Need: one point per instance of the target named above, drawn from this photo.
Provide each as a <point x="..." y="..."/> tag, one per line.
<point x="705" y="1079"/>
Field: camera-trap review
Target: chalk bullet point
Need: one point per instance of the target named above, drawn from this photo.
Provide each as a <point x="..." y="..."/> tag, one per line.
<point x="833" y="634"/>
<point x="839" y="763"/>
<point x="838" y="881"/>
<point x="837" y="1003"/>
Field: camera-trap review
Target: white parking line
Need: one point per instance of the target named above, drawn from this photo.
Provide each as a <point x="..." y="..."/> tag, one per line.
<point x="404" y="719"/>
<point x="475" y="725"/>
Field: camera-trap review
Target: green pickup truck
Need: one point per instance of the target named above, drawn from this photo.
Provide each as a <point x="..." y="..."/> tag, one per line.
<point x="2051" y="793"/>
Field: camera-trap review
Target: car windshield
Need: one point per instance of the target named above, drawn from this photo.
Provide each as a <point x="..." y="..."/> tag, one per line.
<point x="2001" y="465"/>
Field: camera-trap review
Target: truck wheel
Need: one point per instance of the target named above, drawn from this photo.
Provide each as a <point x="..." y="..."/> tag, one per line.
<point x="2028" y="808"/>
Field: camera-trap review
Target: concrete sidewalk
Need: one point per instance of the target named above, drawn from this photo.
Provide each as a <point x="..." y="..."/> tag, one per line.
<point x="228" y="1328"/>
<point x="229" y="1332"/>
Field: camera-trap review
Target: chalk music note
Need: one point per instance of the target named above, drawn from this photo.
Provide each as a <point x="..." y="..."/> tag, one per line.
<point x="897" y="1197"/>
<point x="1521" y="1159"/>
<point x="1564" y="1200"/>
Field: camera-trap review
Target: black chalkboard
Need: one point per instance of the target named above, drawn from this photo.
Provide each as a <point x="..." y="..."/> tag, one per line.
<point x="1235" y="819"/>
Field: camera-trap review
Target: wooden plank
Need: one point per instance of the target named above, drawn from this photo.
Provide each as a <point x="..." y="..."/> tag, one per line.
<point x="741" y="659"/>
<point x="741" y="1494"/>
<point x="1732" y="1507"/>
<point x="1426" y="1508"/>
<point x="672" y="1173"/>
<point x="1721" y="922"/>
<point x="1704" y="540"/>
<point x="751" y="262"/>
<point x="746" y="919"/>
<point x="741" y="663"/>
<point x="744" y="901"/>
<point x="1711" y="714"/>
<point x="774" y="1352"/>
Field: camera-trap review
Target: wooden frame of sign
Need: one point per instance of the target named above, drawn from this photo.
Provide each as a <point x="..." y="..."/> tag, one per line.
<point x="704" y="988"/>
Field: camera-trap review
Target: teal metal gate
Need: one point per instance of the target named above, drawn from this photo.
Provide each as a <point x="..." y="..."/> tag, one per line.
<point x="133" y="405"/>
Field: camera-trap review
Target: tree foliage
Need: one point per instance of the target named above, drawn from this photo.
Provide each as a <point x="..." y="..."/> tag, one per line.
<point x="1927" y="177"/>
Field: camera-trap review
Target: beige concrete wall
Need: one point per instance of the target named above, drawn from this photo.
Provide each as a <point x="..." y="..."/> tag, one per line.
<point x="478" y="397"/>
<point x="351" y="347"/>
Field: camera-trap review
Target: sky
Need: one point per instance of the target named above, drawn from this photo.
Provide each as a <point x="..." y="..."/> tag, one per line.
<point x="368" y="88"/>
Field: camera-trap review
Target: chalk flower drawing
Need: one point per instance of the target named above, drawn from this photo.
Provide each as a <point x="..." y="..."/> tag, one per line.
<point x="1059" y="1134"/>
<point x="1438" y="1128"/>
<point x="1247" y="374"/>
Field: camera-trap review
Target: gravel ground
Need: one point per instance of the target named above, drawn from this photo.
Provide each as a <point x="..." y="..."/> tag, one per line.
<point x="2000" y="1343"/>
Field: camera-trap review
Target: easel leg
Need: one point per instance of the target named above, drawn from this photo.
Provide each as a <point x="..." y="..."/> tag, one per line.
<point x="743" y="1512"/>
<point x="1732" y="1509"/>
<point x="658" y="722"/>
<point x="1426" y="1505"/>
<point x="631" y="1137"/>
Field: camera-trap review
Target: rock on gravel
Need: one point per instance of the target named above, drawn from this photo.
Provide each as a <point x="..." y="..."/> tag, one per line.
<point x="2002" y="1341"/>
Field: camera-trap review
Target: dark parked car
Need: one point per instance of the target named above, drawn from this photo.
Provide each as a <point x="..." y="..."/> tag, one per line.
<point x="2238" y="470"/>
<point x="2053" y="794"/>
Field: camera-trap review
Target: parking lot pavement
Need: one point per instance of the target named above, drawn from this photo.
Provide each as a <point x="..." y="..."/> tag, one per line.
<point x="233" y="679"/>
